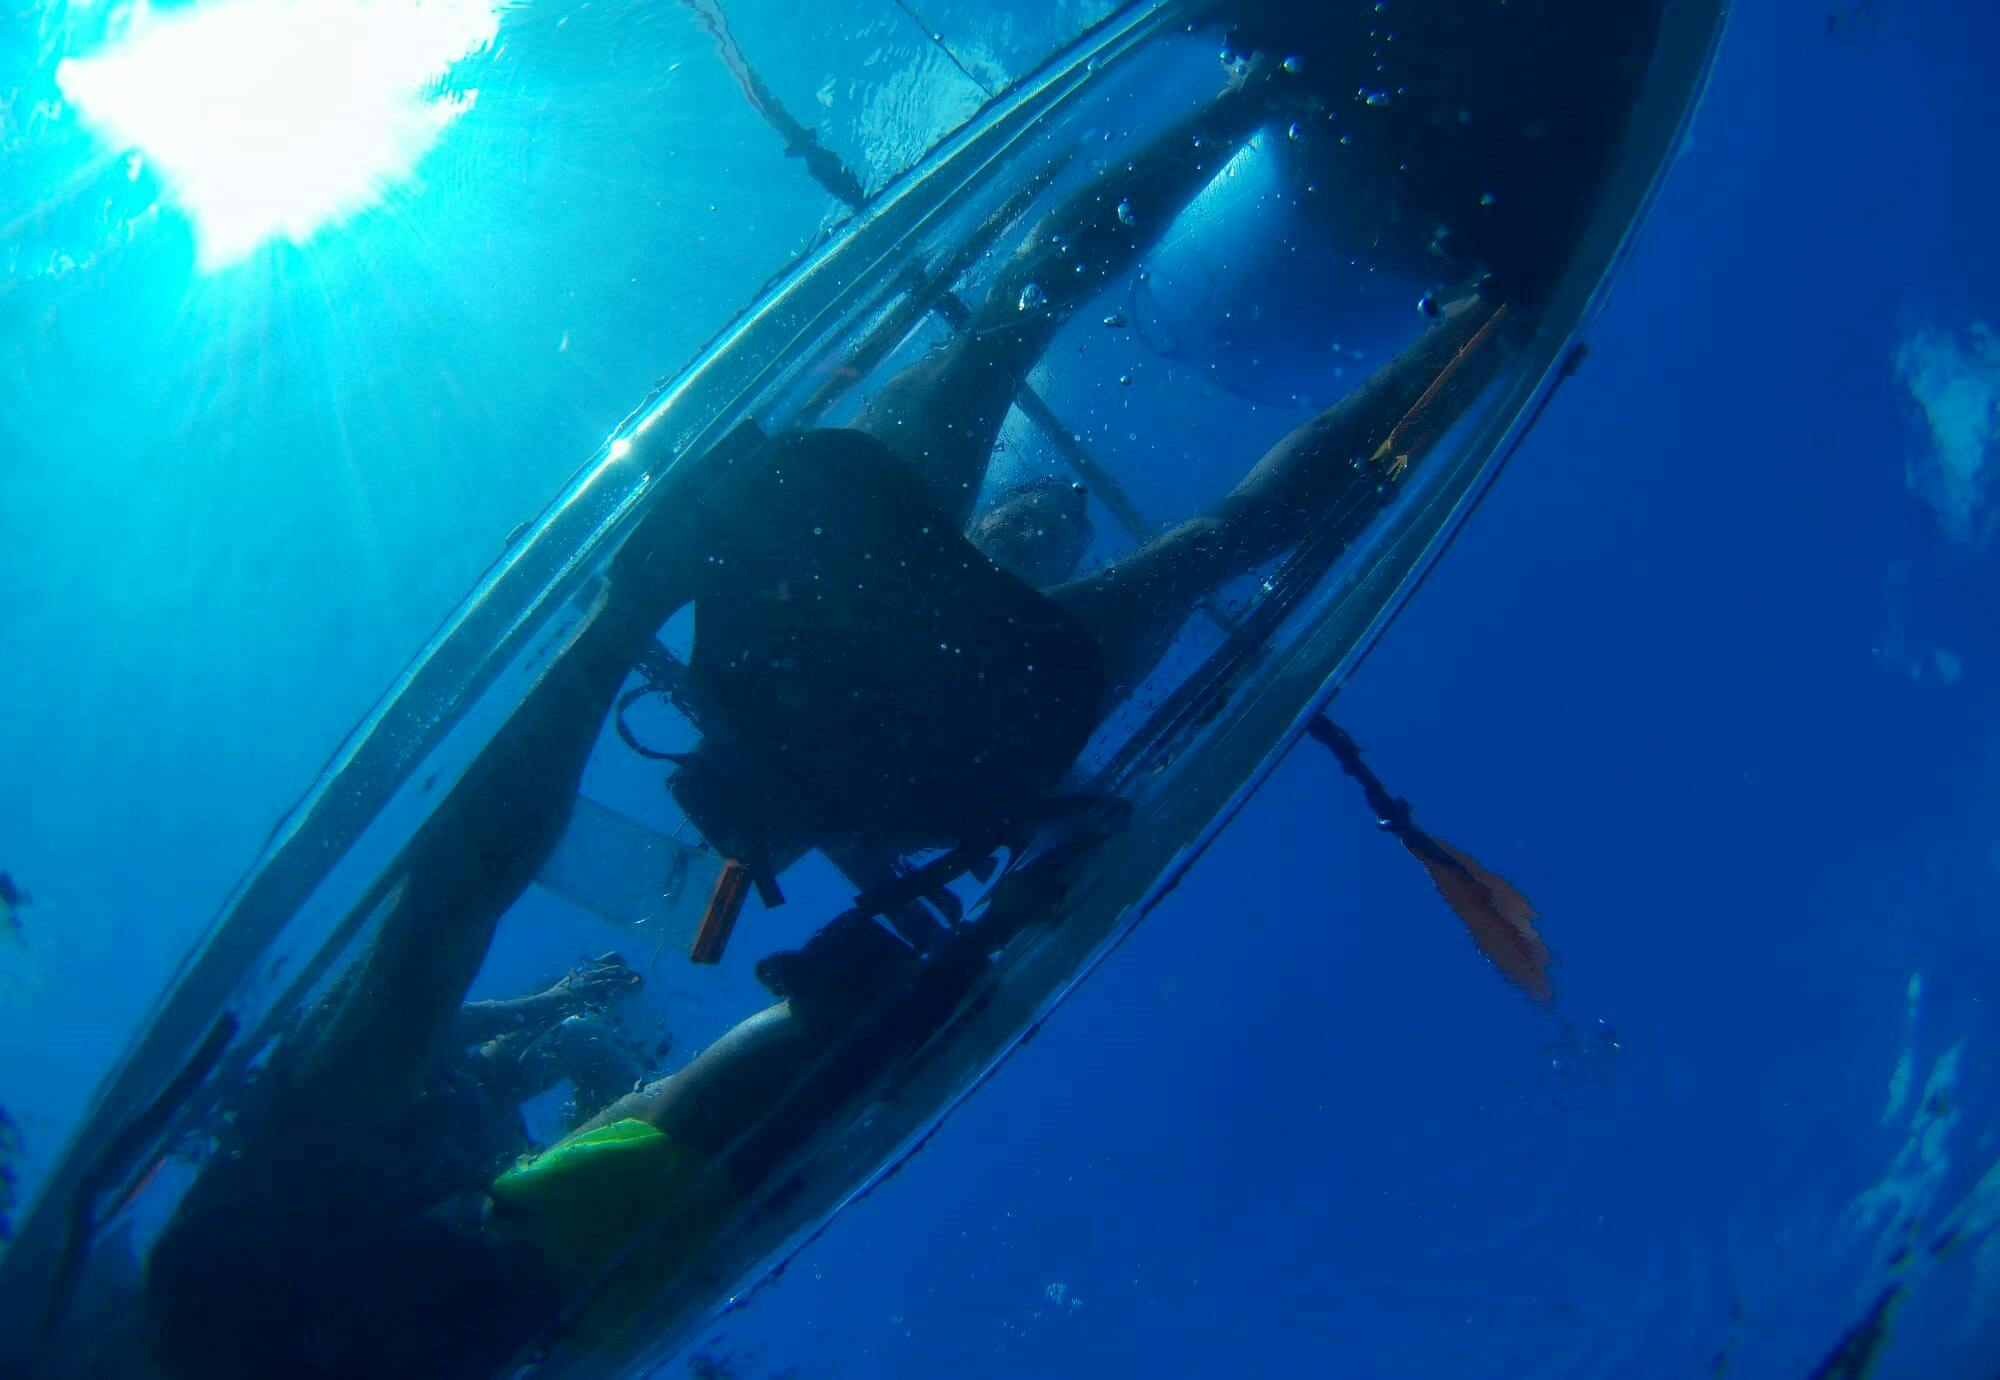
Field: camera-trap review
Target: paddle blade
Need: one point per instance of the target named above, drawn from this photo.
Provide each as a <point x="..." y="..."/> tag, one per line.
<point x="1500" y="919"/>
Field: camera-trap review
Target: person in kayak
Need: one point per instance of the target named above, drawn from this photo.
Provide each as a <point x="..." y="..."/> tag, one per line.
<point x="1027" y="675"/>
<point x="1013" y="682"/>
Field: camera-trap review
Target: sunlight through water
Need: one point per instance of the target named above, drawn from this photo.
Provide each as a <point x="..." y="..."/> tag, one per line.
<point x="1956" y="382"/>
<point x="270" y="118"/>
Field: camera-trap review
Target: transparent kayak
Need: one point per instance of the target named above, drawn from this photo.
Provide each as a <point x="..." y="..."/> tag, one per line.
<point x="1016" y="916"/>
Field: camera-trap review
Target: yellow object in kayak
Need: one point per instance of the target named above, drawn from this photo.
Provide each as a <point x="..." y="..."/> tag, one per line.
<point x="584" y="1201"/>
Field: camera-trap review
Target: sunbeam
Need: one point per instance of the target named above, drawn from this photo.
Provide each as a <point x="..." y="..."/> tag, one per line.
<point x="270" y="120"/>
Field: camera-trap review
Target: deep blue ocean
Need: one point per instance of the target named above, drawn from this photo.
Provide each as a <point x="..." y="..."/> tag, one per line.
<point x="1711" y="675"/>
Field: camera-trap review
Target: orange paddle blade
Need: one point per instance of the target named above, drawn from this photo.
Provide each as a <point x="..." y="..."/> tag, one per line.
<point x="725" y="903"/>
<point x="1500" y="918"/>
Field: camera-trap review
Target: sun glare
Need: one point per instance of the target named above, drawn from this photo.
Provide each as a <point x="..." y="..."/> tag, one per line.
<point x="269" y="118"/>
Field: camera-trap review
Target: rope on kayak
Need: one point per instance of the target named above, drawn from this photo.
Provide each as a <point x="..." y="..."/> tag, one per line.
<point x="800" y="141"/>
<point x="938" y="39"/>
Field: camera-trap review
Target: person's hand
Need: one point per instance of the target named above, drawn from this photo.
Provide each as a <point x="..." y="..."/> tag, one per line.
<point x="596" y="981"/>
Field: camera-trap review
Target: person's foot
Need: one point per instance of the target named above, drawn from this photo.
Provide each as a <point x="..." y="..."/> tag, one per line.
<point x="1304" y="59"/>
<point x="1274" y="82"/>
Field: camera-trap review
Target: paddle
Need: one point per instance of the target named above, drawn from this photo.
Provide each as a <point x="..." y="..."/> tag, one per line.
<point x="1500" y="918"/>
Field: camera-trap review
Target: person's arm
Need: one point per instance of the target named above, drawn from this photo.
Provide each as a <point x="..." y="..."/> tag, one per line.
<point x="1343" y="460"/>
<point x="481" y="1021"/>
<point x="594" y="982"/>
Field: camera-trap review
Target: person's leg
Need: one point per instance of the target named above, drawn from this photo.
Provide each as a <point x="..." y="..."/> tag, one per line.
<point x="1342" y="466"/>
<point x="353" y="1068"/>
<point x="366" y="1057"/>
<point x="340" y="1085"/>
<point x="713" y="1103"/>
<point x="943" y="414"/>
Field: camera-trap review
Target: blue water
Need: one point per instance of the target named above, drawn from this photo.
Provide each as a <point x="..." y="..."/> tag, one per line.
<point x="1710" y="677"/>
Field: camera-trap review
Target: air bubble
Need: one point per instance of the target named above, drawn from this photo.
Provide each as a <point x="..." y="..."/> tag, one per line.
<point x="1125" y="216"/>
<point x="1486" y="199"/>
<point x="1428" y="305"/>
<point x="1032" y="297"/>
<point x="1293" y="65"/>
